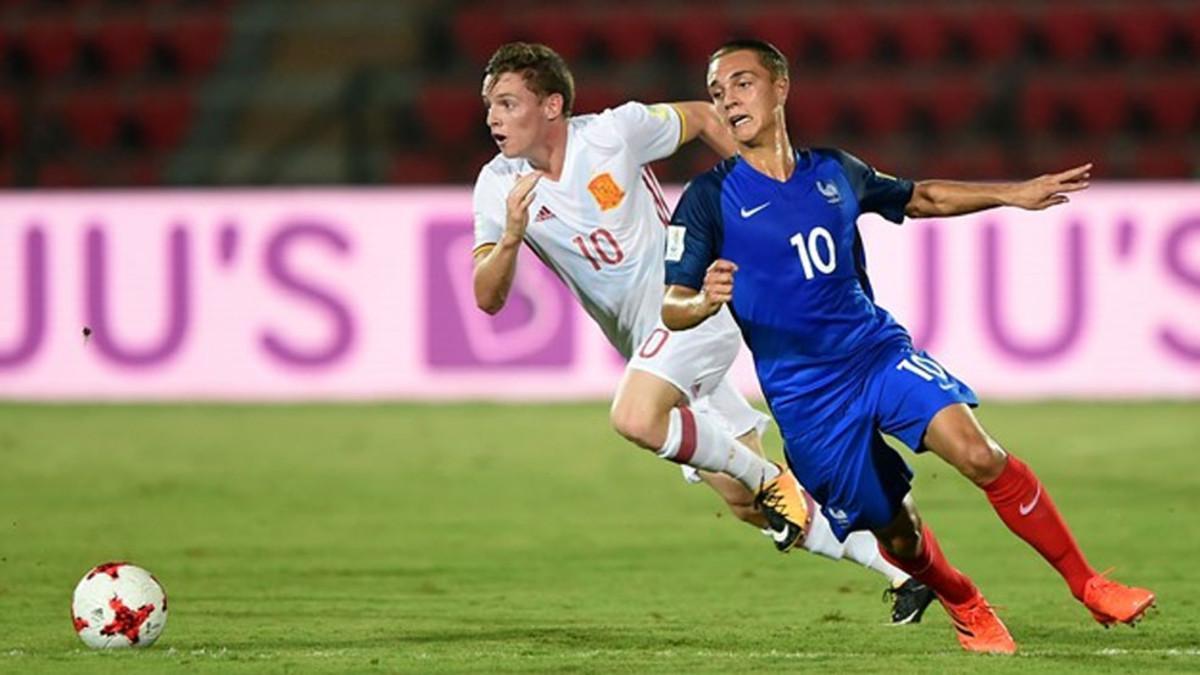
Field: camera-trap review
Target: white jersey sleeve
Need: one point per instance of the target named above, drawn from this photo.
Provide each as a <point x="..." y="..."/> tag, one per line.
<point x="489" y="203"/>
<point x="651" y="131"/>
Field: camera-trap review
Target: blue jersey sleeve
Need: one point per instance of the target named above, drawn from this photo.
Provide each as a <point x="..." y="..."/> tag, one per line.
<point x="694" y="235"/>
<point x="877" y="192"/>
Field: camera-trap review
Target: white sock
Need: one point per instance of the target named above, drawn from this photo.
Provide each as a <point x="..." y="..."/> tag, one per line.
<point x="701" y="441"/>
<point x="861" y="547"/>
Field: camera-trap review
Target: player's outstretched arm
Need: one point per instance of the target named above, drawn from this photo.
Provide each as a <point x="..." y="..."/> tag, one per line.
<point x="685" y="307"/>
<point x="932" y="198"/>
<point x="496" y="264"/>
<point x="700" y="120"/>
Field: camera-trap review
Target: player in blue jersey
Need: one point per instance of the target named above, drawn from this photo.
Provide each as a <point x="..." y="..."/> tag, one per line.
<point x="837" y="370"/>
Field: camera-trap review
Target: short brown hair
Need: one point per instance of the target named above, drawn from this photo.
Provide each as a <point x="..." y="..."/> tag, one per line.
<point x="543" y="69"/>
<point x="768" y="55"/>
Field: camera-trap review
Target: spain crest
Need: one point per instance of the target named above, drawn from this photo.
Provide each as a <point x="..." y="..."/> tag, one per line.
<point x="606" y="191"/>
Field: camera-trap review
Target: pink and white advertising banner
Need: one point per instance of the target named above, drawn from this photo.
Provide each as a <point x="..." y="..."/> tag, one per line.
<point x="366" y="294"/>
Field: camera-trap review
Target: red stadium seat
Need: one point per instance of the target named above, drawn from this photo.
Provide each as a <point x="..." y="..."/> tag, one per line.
<point x="10" y="123"/>
<point x="781" y="27"/>
<point x="1164" y="162"/>
<point x="419" y="168"/>
<point x="883" y="106"/>
<point x="1071" y="32"/>
<point x="995" y="33"/>
<point x="850" y="35"/>
<point x="93" y="117"/>
<point x="696" y="40"/>
<point x="814" y="107"/>
<point x="198" y="41"/>
<point x="52" y="44"/>
<point x="451" y="113"/>
<point x="594" y="99"/>
<point x="1101" y="104"/>
<point x="1040" y="105"/>
<point x="478" y="31"/>
<point x="61" y="174"/>
<point x="124" y="44"/>
<point x="1142" y="32"/>
<point x="1172" y="102"/>
<point x="628" y="34"/>
<point x="1190" y="25"/>
<point x="142" y="171"/>
<point x="563" y="30"/>
<point x="164" y="115"/>
<point x="923" y="37"/>
<point x="955" y="102"/>
<point x="1050" y="158"/>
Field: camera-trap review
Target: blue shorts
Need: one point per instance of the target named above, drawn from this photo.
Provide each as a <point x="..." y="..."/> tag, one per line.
<point x="839" y="454"/>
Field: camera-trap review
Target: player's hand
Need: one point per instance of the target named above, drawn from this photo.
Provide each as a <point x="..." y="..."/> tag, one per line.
<point x="718" y="284"/>
<point x="1050" y="190"/>
<point x="519" y="199"/>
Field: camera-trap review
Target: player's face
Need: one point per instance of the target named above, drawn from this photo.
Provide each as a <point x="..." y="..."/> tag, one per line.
<point x="517" y="117"/>
<point x="747" y="99"/>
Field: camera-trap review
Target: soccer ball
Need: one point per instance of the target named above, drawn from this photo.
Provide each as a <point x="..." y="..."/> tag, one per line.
<point x="119" y="605"/>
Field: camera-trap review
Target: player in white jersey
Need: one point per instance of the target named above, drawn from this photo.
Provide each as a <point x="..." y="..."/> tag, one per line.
<point x="577" y="190"/>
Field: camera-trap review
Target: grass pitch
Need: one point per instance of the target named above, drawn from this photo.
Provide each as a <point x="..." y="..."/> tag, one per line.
<point x="530" y="538"/>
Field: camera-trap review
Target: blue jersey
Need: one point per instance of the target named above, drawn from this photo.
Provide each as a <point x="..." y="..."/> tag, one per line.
<point x="801" y="294"/>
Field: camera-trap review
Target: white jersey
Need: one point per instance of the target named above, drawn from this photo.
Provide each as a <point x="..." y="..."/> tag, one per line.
<point x="602" y="226"/>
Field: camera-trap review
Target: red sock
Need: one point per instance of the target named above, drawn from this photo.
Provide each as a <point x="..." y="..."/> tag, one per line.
<point x="1026" y="508"/>
<point x="931" y="568"/>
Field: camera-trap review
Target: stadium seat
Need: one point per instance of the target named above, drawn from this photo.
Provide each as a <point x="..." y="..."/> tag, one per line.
<point x="1039" y="105"/>
<point x="883" y="106"/>
<point x="1168" y="161"/>
<point x="1142" y="32"/>
<point x="61" y="174"/>
<point x="478" y="31"/>
<point x="850" y="36"/>
<point x="164" y="116"/>
<point x="564" y="31"/>
<point x="1171" y="102"/>
<point x="814" y="108"/>
<point x="995" y="33"/>
<point x="780" y="27"/>
<point x="1071" y="32"/>
<point x="419" y="168"/>
<point x="1050" y="158"/>
<point x="93" y="117"/>
<point x="628" y="34"/>
<point x="923" y="37"/>
<point x="124" y="45"/>
<point x="594" y="99"/>
<point x="954" y="102"/>
<point x="10" y="123"/>
<point x="969" y="162"/>
<point x="696" y="40"/>
<point x="197" y="41"/>
<point x="52" y="44"/>
<point x="1190" y="25"/>
<point x="1100" y="104"/>
<point x="451" y="113"/>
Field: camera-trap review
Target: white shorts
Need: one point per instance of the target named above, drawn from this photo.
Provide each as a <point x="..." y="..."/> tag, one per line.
<point x="696" y="362"/>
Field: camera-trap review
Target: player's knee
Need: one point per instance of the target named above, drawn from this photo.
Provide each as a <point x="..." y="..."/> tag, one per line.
<point x="981" y="459"/>
<point x="904" y="546"/>
<point x="638" y="427"/>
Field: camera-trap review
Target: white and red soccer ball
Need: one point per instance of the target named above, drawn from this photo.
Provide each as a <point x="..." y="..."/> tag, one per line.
<point x="119" y="605"/>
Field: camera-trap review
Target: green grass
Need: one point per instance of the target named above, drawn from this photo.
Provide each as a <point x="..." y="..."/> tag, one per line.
<point x="529" y="538"/>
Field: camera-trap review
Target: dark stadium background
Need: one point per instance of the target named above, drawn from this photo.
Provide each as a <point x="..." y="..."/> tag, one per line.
<point x="268" y="92"/>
